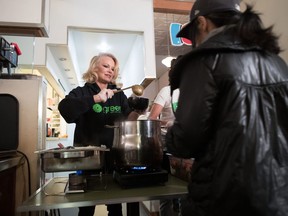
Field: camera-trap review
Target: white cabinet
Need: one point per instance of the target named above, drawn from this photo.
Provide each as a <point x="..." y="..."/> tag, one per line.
<point x="27" y="18"/>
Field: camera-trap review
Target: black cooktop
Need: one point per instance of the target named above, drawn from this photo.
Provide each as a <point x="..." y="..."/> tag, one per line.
<point x="140" y="179"/>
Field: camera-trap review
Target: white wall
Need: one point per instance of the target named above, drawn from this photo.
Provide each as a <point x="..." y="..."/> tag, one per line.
<point x="132" y="73"/>
<point x="28" y="13"/>
<point x="137" y="15"/>
<point x="152" y="90"/>
<point x="19" y="10"/>
<point x="274" y="13"/>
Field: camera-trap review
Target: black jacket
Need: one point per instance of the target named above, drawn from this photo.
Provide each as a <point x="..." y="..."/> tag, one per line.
<point x="90" y="117"/>
<point x="232" y="117"/>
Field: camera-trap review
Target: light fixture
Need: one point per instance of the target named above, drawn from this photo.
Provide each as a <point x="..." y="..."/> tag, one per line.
<point x="62" y="59"/>
<point x="167" y="60"/>
<point x="104" y="47"/>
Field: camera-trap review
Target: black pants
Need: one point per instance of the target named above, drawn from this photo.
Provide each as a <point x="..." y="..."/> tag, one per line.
<point x="113" y="210"/>
<point x="168" y="206"/>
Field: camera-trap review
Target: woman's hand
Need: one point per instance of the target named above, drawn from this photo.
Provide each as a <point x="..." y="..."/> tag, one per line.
<point x="104" y="95"/>
<point x="169" y="123"/>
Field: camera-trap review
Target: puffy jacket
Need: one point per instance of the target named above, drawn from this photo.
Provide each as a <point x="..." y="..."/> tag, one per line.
<point x="232" y="117"/>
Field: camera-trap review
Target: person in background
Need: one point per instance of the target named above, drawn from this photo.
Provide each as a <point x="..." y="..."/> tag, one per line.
<point x="92" y="107"/>
<point x="162" y="109"/>
<point x="162" y="106"/>
<point x="232" y="113"/>
<point x="139" y="105"/>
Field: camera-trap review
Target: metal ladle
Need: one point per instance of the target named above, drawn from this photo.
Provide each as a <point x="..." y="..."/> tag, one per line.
<point x="136" y="89"/>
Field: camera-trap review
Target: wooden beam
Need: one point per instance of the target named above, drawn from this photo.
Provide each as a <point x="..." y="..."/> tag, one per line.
<point x="172" y="6"/>
<point x="23" y="31"/>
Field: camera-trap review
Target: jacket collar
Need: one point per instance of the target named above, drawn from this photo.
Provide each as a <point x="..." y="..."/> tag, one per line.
<point x="220" y="40"/>
<point x="225" y="38"/>
<point x="96" y="88"/>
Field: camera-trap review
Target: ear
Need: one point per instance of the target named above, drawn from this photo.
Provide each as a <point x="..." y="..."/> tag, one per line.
<point x="202" y="24"/>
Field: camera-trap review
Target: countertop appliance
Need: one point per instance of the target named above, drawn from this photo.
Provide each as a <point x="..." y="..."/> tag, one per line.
<point x="9" y="105"/>
<point x="22" y="121"/>
<point x="30" y="92"/>
<point x="8" y="55"/>
<point x="72" y="158"/>
<point x="139" y="176"/>
<point x="88" y="164"/>
<point x="137" y="147"/>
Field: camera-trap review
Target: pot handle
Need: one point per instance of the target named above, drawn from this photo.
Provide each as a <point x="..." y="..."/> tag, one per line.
<point x="111" y="126"/>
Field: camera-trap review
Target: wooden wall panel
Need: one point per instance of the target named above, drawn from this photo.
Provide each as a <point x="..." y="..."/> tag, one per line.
<point x="171" y="6"/>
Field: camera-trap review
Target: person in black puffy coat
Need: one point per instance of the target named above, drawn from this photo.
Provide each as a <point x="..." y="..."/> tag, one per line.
<point x="232" y="114"/>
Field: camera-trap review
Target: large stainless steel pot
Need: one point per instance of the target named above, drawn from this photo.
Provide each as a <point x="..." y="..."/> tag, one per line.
<point x="138" y="144"/>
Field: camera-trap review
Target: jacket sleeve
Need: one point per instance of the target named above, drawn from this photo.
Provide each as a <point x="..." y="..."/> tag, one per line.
<point x="126" y="110"/>
<point x="74" y="105"/>
<point x="190" y="134"/>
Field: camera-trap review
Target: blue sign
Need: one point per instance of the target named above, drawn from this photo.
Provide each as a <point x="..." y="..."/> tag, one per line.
<point x="175" y="41"/>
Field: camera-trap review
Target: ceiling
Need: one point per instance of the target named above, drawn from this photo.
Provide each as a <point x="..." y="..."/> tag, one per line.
<point x="162" y="23"/>
<point x="73" y="59"/>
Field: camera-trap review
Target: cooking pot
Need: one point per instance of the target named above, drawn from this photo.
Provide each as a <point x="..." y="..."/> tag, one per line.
<point x="71" y="159"/>
<point x="138" y="144"/>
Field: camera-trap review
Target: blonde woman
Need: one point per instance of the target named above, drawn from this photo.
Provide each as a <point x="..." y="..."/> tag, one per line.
<point x="93" y="106"/>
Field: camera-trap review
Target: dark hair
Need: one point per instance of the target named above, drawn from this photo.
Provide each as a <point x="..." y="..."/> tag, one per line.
<point x="249" y="27"/>
<point x="173" y="63"/>
<point x="251" y="30"/>
<point x="138" y="103"/>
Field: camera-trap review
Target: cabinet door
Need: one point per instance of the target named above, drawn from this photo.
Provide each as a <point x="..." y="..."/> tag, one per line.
<point x="30" y="17"/>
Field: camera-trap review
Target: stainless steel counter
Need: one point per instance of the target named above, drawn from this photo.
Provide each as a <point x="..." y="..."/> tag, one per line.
<point x="52" y="196"/>
<point x="9" y="162"/>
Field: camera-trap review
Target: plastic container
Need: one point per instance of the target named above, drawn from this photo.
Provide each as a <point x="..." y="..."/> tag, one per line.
<point x="181" y="168"/>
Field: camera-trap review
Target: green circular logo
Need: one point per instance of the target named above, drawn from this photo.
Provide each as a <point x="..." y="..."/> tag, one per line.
<point x="97" y="108"/>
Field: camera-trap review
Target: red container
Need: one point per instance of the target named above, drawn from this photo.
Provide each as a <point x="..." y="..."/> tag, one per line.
<point x="181" y="168"/>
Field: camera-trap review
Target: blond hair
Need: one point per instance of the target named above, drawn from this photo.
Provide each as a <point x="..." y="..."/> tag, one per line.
<point x="91" y="77"/>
